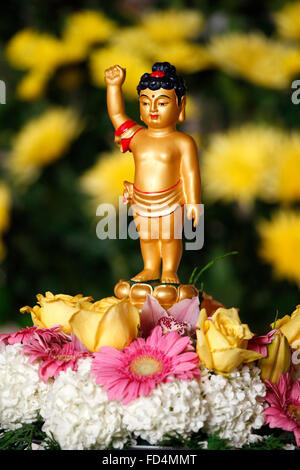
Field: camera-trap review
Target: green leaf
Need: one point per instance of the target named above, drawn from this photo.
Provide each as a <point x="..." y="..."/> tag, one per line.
<point x="276" y="318"/>
<point x="27" y="434"/>
<point x="192" y="275"/>
<point x="194" y="278"/>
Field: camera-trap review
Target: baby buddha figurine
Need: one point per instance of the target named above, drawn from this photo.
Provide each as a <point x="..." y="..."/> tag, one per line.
<point x="167" y="172"/>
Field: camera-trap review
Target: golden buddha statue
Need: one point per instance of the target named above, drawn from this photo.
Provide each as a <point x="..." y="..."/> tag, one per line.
<point x="167" y="172"/>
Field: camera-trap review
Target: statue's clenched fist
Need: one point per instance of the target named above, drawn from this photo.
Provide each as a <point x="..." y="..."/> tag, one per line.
<point x="115" y="75"/>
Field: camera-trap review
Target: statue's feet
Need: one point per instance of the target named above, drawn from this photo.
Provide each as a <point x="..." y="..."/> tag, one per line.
<point x="146" y="275"/>
<point x="169" y="277"/>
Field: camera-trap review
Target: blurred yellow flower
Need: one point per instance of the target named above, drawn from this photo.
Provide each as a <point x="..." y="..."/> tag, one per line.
<point x="222" y="340"/>
<point x="33" y="85"/>
<point x="285" y="170"/>
<point x="173" y="25"/>
<point x="5" y="203"/>
<point x="263" y="61"/>
<point x="135" y="66"/>
<point x="186" y="57"/>
<point x="71" y="53"/>
<point x="20" y="50"/>
<point x="288" y="21"/>
<point x="41" y="54"/>
<point x="104" y="181"/>
<point x="108" y="322"/>
<point x="30" y="49"/>
<point x="42" y="140"/>
<point x="235" y="164"/>
<point x="136" y="40"/>
<point x="280" y="244"/>
<point x="88" y="27"/>
<point x="55" y="310"/>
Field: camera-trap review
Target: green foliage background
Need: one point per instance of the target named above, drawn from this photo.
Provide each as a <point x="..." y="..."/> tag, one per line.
<point x="52" y="244"/>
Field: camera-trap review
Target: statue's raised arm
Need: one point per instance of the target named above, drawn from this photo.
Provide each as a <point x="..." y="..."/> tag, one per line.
<point x="125" y="128"/>
<point x="114" y="79"/>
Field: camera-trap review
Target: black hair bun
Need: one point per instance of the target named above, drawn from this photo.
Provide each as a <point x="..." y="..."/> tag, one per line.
<point x="169" y="81"/>
<point x="165" y="67"/>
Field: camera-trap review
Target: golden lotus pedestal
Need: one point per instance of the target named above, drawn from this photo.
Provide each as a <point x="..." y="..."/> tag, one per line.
<point x="166" y="294"/>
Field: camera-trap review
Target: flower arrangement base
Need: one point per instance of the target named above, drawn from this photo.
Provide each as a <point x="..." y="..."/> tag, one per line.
<point x="166" y="294"/>
<point x="154" y="393"/>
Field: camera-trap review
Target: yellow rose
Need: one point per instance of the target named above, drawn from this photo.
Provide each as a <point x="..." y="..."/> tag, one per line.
<point x="290" y="327"/>
<point x="108" y="322"/>
<point x="222" y="340"/>
<point x="55" y="310"/>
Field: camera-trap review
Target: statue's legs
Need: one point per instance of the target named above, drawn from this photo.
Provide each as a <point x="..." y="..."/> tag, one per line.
<point x="148" y="229"/>
<point x="171" y="245"/>
<point x="160" y="238"/>
<point x="171" y="256"/>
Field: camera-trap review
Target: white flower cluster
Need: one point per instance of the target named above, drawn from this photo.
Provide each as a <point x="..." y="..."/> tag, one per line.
<point x="235" y="404"/>
<point x="79" y="416"/>
<point x="172" y="407"/>
<point x="21" y="390"/>
<point x="78" y="413"/>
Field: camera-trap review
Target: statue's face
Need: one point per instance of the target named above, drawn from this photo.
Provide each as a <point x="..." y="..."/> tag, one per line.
<point x="159" y="108"/>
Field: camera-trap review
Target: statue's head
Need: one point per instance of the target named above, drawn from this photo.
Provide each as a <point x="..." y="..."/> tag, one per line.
<point x="162" y="96"/>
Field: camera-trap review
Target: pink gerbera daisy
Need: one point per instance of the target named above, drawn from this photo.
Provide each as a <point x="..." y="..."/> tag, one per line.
<point x="18" y="336"/>
<point x="284" y="409"/>
<point x="25" y="335"/>
<point x="137" y="369"/>
<point x="55" y="351"/>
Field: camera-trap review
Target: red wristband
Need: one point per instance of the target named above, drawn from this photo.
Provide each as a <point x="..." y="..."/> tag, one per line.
<point x="125" y="126"/>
